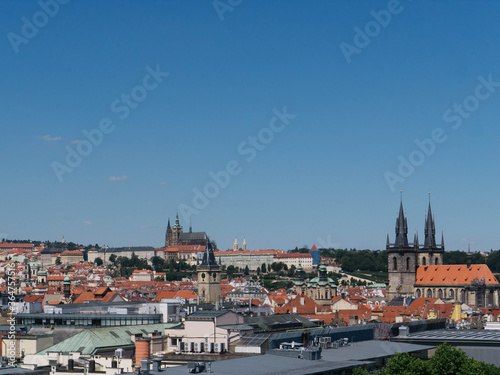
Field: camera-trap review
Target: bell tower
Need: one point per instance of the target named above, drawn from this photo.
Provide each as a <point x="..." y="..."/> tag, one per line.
<point x="402" y="259"/>
<point x="209" y="272"/>
<point x="431" y="254"/>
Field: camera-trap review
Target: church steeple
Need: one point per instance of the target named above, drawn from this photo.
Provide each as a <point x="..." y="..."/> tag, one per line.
<point x="401" y="227"/>
<point x="168" y="226"/>
<point x="177" y="225"/>
<point x="430" y="229"/>
<point x="236" y="247"/>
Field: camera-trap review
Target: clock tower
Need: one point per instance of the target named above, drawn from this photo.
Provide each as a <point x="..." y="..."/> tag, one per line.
<point x="209" y="272"/>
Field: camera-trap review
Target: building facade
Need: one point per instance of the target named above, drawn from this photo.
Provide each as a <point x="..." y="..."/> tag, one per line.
<point x="405" y="257"/>
<point x="418" y="270"/>
<point x="320" y="289"/>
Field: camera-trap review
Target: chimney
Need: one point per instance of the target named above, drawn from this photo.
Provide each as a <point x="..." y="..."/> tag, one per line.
<point x="157" y="364"/>
<point x="145" y="366"/>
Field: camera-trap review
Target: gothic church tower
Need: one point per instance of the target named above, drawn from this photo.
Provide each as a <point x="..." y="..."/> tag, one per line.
<point x="401" y="259"/>
<point x="209" y="272"/>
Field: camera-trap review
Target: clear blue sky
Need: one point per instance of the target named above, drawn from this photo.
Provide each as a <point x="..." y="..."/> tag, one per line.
<point x="321" y="180"/>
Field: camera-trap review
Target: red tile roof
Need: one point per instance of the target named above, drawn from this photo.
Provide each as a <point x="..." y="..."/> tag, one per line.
<point x="9" y="245"/>
<point x="457" y="274"/>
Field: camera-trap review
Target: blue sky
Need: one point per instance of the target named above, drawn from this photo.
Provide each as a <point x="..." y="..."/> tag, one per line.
<point x="329" y="175"/>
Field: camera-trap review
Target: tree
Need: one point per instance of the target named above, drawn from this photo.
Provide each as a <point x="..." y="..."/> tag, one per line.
<point x="158" y="263"/>
<point x="263" y="268"/>
<point x="231" y="270"/>
<point x="247" y="270"/>
<point x="112" y="259"/>
<point x="58" y="261"/>
<point x="98" y="261"/>
<point x="493" y="261"/>
<point x="446" y="360"/>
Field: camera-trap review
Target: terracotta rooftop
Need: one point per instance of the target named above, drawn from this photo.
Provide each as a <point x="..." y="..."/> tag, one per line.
<point x="456" y="274"/>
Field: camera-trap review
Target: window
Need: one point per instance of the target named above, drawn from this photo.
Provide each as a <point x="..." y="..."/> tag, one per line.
<point x="407" y="263"/>
<point x="436" y="261"/>
<point x="394" y="263"/>
<point x="424" y="261"/>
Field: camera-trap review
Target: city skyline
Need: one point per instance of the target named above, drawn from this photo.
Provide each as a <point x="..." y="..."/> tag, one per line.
<point x="285" y="123"/>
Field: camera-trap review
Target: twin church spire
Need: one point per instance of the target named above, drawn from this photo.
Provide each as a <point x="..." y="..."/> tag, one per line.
<point x="402" y="232"/>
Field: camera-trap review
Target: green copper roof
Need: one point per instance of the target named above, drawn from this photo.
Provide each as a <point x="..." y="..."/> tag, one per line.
<point x="92" y="340"/>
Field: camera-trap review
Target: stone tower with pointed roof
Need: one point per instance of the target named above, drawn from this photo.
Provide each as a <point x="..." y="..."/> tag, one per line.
<point x="402" y="259"/>
<point x="209" y="272"/>
<point x="431" y="253"/>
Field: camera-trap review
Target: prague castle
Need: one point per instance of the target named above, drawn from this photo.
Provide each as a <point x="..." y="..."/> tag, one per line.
<point x="176" y="237"/>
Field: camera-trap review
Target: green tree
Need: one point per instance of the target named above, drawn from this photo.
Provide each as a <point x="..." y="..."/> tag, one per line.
<point x="291" y="271"/>
<point x="58" y="261"/>
<point x="263" y="268"/>
<point x="406" y="364"/>
<point x="158" y="263"/>
<point x="493" y="261"/>
<point x="247" y="270"/>
<point x="448" y="360"/>
<point x="98" y="262"/>
<point x="231" y="270"/>
<point x="112" y="259"/>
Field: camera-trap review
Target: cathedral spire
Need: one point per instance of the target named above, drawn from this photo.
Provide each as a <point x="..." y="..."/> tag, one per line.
<point x="177" y="224"/>
<point x="442" y="239"/>
<point x="401" y="227"/>
<point x="168" y="226"/>
<point x="430" y="229"/>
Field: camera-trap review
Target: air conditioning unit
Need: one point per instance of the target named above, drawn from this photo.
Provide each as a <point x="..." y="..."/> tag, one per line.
<point x="219" y="347"/>
<point x="198" y="347"/>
